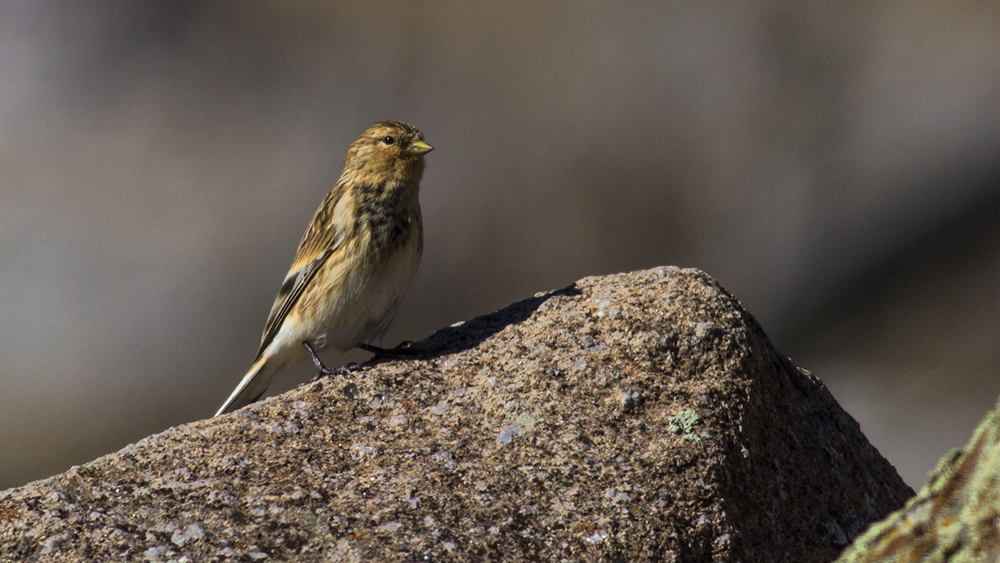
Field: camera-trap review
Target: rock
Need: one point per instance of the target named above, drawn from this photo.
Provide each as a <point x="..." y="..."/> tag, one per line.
<point x="955" y="517"/>
<point x="633" y="417"/>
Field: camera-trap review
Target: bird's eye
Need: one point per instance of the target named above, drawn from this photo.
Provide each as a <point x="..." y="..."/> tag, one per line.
<point x="389" y="140"/>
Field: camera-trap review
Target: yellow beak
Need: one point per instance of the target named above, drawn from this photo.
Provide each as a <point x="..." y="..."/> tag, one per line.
<point x="419" y="148"/>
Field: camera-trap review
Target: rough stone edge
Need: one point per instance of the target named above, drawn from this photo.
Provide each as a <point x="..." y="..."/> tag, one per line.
<point x="954" y="517"/>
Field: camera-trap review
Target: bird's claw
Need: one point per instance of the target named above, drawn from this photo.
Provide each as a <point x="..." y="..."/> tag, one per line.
<point x="325" y="371"/>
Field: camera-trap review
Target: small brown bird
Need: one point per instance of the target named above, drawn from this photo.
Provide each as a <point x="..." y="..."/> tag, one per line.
<point x="354" y="264"/>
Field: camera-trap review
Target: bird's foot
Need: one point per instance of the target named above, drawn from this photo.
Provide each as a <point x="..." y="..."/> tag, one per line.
<point x="325" y="371"/>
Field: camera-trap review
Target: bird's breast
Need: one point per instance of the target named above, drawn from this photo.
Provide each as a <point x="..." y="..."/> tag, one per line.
<point x="387" y="218"/>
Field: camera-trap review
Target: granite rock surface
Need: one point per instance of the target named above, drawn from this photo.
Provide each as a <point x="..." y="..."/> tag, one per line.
<point x="955" y="517"/>
<point x="632" y="417"/>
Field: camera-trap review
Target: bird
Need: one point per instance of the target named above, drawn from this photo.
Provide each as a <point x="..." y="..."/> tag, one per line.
<point x="354" y="263"/>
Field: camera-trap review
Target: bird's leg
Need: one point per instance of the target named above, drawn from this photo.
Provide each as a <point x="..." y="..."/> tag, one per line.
<point x="323" y="370"/>
<point x="372" y="348"/>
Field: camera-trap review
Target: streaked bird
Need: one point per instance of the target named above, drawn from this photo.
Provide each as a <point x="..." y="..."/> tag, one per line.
<point x="354" y="263"/>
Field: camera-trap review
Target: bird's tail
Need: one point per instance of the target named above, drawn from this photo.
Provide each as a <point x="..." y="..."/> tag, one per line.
<point x="252" y="386"/>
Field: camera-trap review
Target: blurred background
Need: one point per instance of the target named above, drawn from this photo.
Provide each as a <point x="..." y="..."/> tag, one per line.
<point x="836" y="167"/>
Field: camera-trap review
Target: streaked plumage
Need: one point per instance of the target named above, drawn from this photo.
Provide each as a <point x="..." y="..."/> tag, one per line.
<point x="355" y="261"/>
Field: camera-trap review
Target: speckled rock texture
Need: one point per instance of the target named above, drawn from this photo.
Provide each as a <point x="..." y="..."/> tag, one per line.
<point x="955" y="517"/>
<point x="633" y="417"/>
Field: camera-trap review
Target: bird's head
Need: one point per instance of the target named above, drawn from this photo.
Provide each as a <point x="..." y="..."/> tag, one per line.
<point x="387" y="151"/>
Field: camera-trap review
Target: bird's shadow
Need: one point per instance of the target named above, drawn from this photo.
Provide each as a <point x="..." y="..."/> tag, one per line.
<point x="469" y="334"/>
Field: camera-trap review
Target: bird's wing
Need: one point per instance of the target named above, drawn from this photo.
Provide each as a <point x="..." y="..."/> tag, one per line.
<point x="320" y="241"/>
<point x="295" y="283"/>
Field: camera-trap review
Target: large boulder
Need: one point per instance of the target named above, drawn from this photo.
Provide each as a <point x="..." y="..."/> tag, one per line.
<point x="633" y="417"/>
